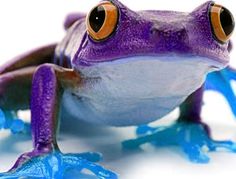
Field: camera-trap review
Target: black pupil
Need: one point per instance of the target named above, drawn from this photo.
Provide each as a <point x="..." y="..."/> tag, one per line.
<point x="97" y="18"/>
<point x="227" y="21"/>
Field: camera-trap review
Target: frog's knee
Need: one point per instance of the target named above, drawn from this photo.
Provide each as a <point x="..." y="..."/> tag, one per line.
<point x="45" y="66"/>
<point x="46" y="70"/>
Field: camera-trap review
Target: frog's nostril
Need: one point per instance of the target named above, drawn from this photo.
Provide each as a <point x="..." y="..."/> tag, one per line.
<point x="172" y="37"/>
<point x="169" y="33"/>
<point x="230" y="46"/>
<point x="182" y="34"/>
<point x="154" y="31"/>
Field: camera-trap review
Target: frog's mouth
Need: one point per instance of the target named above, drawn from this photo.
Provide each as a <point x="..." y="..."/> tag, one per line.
<point x="213" y="63"/>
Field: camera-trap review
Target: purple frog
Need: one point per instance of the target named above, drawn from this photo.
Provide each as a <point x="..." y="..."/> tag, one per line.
<point x="119" y="67"/>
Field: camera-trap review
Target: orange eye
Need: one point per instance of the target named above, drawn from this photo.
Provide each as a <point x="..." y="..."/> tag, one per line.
<point x="102" y="20"/>
<point x="222" y="22"/>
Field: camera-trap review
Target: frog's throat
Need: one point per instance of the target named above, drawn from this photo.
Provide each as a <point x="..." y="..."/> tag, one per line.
<point x="136" y="91"/>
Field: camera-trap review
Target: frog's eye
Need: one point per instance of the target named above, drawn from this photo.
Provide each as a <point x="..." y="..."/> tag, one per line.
<point x="102" y="21"/>
<point x="222" y="22"/>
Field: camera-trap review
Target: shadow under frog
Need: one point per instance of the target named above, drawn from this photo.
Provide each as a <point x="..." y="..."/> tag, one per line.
<point x="119" y="67"/>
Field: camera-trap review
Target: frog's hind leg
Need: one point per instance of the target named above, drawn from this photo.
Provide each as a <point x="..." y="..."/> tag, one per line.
<point x="220" y="81"/>
<point x="15" y="84"/>
<point x="46" y="160"/>
<point x="32" y="58"/>
<point x="188" y="132"/>
<point x="14" y="95"/>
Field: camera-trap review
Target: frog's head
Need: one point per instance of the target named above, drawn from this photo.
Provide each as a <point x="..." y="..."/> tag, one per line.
<point x="152" y="54"/>
<point x="148" y="59"/>
<point x="114" y="32"/>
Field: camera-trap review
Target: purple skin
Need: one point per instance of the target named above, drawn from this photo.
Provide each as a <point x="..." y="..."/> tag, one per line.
<point x="144" y="33"/>
<point x="154" y="33"/>
<point x="44" y="95"/>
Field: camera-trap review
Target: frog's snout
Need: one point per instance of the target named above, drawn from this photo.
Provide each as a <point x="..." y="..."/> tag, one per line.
<point x="173" y="36"/>
<point x="169" y="31"/>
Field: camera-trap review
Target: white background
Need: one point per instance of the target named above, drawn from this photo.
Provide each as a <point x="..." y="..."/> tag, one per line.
<point x="25" y="24"/>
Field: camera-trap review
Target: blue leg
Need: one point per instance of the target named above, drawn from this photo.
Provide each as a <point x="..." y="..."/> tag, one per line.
<point x="192" y="138"/>
<point x="46" y="160"/>
<point x="54" y="165"/>
<point x="189" y="133"/>
<point x="220" y="81"/>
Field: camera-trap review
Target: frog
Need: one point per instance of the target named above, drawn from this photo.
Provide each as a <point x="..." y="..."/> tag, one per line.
<point x="119" y="67"/>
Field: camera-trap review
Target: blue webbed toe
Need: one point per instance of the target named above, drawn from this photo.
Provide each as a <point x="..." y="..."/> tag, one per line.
<point x="220" y="81"/>
<point x="192" y="138"/>
<point x="55" y="165"/>
<point x="9" y="120"/>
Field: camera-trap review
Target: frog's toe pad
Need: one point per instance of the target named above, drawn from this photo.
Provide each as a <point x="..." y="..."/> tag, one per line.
<point x="56" y="165"/>
<point x="9" y="121"/>
<point x="192" y="138"/>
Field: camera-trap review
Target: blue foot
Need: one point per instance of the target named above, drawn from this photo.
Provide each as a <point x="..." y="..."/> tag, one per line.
<point x="145" y="129"/>
<point x="220" y="81"/>
<point x="192" y="138"/>
<point x="9" y="120"/>
<point x="55" y="165"/>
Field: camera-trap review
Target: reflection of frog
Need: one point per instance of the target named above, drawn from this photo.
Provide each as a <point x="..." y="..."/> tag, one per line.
<point x="120" y="67"/>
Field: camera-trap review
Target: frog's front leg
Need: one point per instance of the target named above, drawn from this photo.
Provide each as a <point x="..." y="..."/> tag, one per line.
<point x="46" y="160"/>
<point x="188" y="132"/>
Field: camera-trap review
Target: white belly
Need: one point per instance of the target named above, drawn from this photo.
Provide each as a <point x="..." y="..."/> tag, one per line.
<point x="136" y="90"/>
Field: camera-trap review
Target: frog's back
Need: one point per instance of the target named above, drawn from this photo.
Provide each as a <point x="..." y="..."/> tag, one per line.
<point x="67" y="48"/>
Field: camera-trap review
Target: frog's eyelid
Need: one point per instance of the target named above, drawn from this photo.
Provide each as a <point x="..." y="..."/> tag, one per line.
<point x="215" y="20"/>
<point x="222" y="34"/>
<point x="110" y="22"/>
